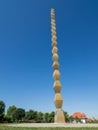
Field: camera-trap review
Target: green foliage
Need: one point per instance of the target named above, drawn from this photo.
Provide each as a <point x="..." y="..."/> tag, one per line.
<point x="67" y="118"/>
<point x="45" y="118"/>
<point x="10" y="113"/>
<point x="39" y="117"/>
<point x="31" y="116"/>
<point x="7" y="119"/>
<point x="95" y="120"/>
<point x="19" y="114"/>
<point x="2" y="110"/>
<point x="51" y="117"/>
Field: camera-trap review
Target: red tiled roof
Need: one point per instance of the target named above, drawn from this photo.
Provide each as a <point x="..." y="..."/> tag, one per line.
<point x="78" y="115"/>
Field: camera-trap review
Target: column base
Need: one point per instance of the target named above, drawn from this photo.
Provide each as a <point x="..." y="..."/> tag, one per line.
<point x="59" y="116"/>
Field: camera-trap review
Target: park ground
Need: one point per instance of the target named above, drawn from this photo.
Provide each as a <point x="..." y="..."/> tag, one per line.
<point x="31" y="126"/>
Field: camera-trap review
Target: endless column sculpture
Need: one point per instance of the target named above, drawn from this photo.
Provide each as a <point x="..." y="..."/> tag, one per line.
<point x="59" y="115"/>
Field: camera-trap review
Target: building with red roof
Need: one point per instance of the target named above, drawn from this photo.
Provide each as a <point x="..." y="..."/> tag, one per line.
<point x="80" y="116"/>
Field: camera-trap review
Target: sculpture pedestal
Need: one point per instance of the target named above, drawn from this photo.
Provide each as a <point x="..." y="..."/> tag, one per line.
<point x="59" y="116"/>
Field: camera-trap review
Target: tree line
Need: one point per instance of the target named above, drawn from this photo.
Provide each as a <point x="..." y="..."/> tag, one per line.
<point x="15" y="114"/>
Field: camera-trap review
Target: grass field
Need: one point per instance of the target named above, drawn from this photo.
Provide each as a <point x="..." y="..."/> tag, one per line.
<point x="4" y="127"/>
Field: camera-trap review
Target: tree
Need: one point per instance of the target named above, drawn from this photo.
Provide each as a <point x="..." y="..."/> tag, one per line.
<point x="45" y="118"/>
<point x="10" y="112"/>
<point x="40" y="117"/>
<point x="31" y="116"/>
<point x="51" y="117"/>
<point x="2" y="110"/>
<point x="95" y="120"/>
<point x="48" y="117"/>
<point x="19" y="114"/>
<point x="67" y="118"/>
<point x="7" y="119"/>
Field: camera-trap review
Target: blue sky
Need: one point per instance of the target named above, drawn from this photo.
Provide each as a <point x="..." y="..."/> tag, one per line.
<point x="25" y="54"/>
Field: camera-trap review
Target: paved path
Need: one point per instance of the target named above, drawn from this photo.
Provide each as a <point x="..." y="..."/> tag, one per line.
<point x="52" y="125"/>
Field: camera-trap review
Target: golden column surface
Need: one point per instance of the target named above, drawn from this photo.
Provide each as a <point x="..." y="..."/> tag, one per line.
<point x="59" y="114"/>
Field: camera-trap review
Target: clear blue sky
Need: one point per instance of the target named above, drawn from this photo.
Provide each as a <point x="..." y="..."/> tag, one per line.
<point x="25" y="54"/>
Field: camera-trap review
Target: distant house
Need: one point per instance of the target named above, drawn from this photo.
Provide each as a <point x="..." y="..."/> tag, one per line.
<point x="80" y="116"/>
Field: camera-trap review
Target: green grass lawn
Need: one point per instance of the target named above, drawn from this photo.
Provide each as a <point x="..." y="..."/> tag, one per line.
<point x="4" y="127"/>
